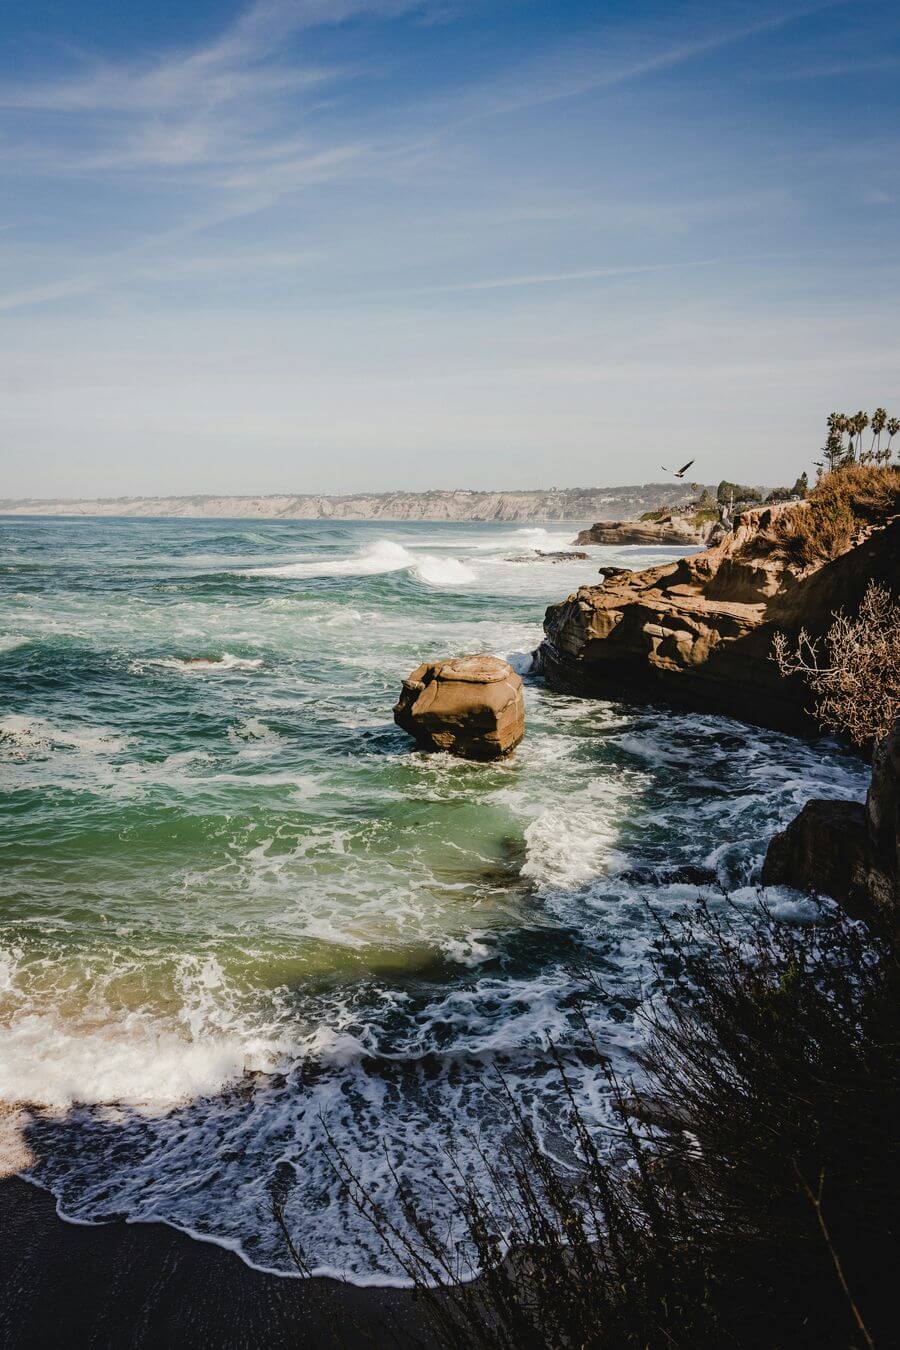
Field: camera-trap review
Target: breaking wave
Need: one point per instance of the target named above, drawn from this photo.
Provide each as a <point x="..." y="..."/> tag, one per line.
<point x="377" y="558"/>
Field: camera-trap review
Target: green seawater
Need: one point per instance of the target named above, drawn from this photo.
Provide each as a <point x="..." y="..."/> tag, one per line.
<point x="241" y="916"/>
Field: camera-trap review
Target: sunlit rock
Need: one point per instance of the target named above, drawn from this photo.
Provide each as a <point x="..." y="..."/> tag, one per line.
<point x="472" y="706"/>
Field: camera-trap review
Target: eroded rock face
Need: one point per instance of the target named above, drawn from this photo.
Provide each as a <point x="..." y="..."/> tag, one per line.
<point x="883" y="804"/>
<point x="698" y="632"/>
<point x="845" y="850"/>
<point x="471" y="706"/>
<point x="672" y="530"/>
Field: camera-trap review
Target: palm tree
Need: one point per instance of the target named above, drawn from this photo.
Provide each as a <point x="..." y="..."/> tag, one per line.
<point x="879" y="418"/>
<point x="892" y="426"/>
<point x="860" y="422"/>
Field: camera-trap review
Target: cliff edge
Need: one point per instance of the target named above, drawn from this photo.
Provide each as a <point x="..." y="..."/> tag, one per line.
<point x="671" y="530"/>
<point x="698" y="632"/>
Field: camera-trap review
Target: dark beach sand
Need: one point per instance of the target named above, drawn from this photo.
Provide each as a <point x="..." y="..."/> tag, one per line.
<point x="122" y="1285"/>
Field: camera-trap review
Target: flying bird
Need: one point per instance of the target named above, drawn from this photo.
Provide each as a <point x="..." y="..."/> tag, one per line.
<point x="679" y="473"/>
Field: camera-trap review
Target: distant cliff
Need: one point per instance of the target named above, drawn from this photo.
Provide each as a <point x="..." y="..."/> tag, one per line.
<point x="541" y="505"/>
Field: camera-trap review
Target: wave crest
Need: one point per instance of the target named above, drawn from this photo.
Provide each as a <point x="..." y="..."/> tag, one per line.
<point x="381" y="556"/>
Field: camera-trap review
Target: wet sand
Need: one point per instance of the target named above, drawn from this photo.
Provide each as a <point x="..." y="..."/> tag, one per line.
<point x="121" y="1285"/>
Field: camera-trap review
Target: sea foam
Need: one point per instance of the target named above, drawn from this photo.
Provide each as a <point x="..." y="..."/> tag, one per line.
<point x="375" y="559"/>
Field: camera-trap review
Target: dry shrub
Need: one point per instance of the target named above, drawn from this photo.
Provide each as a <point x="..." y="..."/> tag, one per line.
<point x="755" y="1208"/>
<point x="841" y="502"/>
<point x="857" y="685"/>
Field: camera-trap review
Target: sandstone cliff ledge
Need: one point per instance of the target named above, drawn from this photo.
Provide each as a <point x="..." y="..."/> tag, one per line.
<point x="698" y="632"/>
<point x="674" y="530"/>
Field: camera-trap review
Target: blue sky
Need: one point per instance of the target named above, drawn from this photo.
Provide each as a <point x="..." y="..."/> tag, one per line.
<point x="330" y="245"/>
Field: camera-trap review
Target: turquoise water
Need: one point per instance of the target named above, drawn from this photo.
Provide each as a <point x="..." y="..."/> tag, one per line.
<point x="243" y="922"/>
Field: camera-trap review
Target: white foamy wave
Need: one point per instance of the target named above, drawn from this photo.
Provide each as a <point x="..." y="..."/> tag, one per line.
<point x="521" y="662"/>
<point x="436" y="571"/>
<point x="200" y="665"/>
<point x="44" y="1062"/>
<point x="24" y="735"/>
<point x="530" y="537"/>
<point x="111" y="1056"/>
<point x="252" y="735"/>
<point x="9" y="642"/>
<point x="566" y="848"/>
<point x="382" y="556"/>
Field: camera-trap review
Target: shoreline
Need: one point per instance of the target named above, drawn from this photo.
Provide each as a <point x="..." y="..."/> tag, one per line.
<point x="150" y="1285"/>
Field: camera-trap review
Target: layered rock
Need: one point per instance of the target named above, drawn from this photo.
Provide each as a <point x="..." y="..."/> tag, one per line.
<point x="472" y="706"/>
<point x="845" y="850"/>
<point x="698" y="632"/>
<point x="670" y="530"/>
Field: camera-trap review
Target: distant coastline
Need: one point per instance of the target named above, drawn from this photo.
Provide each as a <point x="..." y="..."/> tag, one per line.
<point x="540" y="505"/>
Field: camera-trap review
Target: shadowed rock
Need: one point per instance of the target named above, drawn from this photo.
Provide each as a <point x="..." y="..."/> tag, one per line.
<point x="472" y="706"/>
<point x="845" y="850"/>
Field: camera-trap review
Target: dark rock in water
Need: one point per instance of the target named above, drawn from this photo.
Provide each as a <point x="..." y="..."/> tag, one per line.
<point x="824" y="850"/>
<point x="848" y="851"/>
<point x="472" y="706"/>
<point x="883" y="803"/>
<point x="547" y="557"/>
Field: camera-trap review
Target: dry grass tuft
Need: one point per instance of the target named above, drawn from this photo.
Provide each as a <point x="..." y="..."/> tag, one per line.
<point x="842" y="502"/>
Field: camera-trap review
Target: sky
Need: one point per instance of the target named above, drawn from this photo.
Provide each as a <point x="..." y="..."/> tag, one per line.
<point x="363" y="245"/>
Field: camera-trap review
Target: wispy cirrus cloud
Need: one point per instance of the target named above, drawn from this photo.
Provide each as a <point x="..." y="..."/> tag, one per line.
<point x="243" y="61"/>
<point x="231" y="128"/>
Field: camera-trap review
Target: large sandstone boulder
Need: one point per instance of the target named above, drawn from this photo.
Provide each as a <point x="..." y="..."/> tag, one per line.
<point x="698" y="632"/>
<point x="471" y="706"/>
<point x="845" y="850"/>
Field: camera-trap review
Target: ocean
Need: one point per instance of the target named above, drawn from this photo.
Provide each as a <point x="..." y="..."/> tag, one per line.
<point x="246" y="928"/>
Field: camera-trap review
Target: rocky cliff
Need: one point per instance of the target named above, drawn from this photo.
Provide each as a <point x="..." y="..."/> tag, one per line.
<point x="698" y="632"/>
<point x="672" y="530"/>
<point x="541" y="505"/>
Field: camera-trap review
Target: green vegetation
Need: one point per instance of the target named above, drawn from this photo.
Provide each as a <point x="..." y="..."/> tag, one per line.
<point x="735" y="495"/>
<point x="747" y="1197"/>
